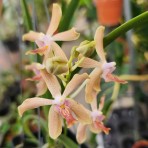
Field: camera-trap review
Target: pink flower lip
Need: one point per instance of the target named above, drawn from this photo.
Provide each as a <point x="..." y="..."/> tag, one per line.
<point x="109" y="65"/>
<point x="65" y="111"/>
<point x="97" y="116"/>
<point x="100" y="125"/>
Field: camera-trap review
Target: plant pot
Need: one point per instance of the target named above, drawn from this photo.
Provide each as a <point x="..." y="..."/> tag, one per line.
<point x="109" y="12"/>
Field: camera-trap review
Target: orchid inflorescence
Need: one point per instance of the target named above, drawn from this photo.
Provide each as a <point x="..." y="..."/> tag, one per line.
<point x="56" y="68"/>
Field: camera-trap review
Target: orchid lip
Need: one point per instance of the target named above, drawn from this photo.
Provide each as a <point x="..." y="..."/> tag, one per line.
<point x="64" y="110"/>
<point x="108" y="65"/>
<point x="96" y="114"/>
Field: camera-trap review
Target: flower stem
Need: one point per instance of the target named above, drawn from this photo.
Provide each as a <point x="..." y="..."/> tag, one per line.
<point x="134" y="22"/>
<point x="134" y="77"/>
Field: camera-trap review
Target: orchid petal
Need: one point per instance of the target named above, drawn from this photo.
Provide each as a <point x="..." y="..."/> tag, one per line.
<point x="52" y="83"/>
<point x="99" y="42"/>
<point x="58" y="51"/>
<point x="54" y="123"/>
<point x="41" y="87"/>
<point x="89" y="63"/>
<point x="55" y="19"/>
<point x="76" y="81"/>
<point x="35" y="78"/>
<point x="40" y="43"/>
<point x="81" y="133"/>
<point x="101" y="104"/>
<point x="114" y="78"/>
<point x="68" y="35"/>
<point x="94" y="129"/>
<point x="82" y="114"/>
<point x="93" y="85"/>
<point x="40" y="51"/>
<point x="32" y="103"/>
<point x="94" y="103"/>
<point x="32" y="36"/>
<point x="35" y="67"/>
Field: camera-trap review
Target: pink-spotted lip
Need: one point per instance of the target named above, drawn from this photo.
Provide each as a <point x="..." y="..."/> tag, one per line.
<point x="64" y="110"/>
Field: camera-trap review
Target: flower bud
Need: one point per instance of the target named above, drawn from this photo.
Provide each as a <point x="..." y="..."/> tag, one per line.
<point x="56" y="65"/>
<point x="86" y="48"/>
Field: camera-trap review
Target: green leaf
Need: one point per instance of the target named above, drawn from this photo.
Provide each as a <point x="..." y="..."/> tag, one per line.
<point x="4" y="128"/>
<point x="26" y="15"/>
<point x="67" y="142"/>
<point x="107" y="106"/>
<point x="68" y="15"/>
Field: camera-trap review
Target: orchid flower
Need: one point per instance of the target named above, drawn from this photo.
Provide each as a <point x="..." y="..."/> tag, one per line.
<point x="41" y="85"/>
<point x="102" y="69"/>
<point x="56" y="63"/>
<point x="46" y="42"/>
<point x="97" y="122"/>
<point x="61" y="106"/>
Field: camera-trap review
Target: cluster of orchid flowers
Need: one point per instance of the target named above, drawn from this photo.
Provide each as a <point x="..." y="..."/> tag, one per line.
<point x="56" y="68"/>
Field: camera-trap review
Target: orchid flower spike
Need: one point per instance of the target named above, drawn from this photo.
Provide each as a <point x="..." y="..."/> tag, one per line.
<point x="97" y="122"/>
<point x="61" y="106"/>
<point x="46" y="42"/>
<point x="102" y="69"/>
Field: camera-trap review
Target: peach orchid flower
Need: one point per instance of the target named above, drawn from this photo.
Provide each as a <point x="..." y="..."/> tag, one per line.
<point x="41" y="85"/>
<point x="46" y="42"/>
<point x="102" y="69"/>
<point x="61" y="106"/>
<point x="97" y="122"/>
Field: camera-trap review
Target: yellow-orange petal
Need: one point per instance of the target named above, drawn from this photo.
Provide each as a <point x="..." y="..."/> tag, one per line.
<point x="76" y="81"/>
<point x="93" y="129"/>
<point x="101" y="104"/>
<point x="35" y="78"/>
<point x="93" y="85"/>
<point x="82" y="114"/>
<point x="32" y="103"/>
<point x="55" y="19"/>
<point x="39" y="51"/>
<point x="54" y="123"/>
<point x="89" y="63"/>
<point x="41" y="87"/>
<point x="58" y="51"/>
<point x="52" y="83"/>
<point x="35" y="67"/>
<point x="32" y="36"/>
<point x="81" y="133"/>
<point x="99" y="35"/>
<point x="68" y="35"/>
